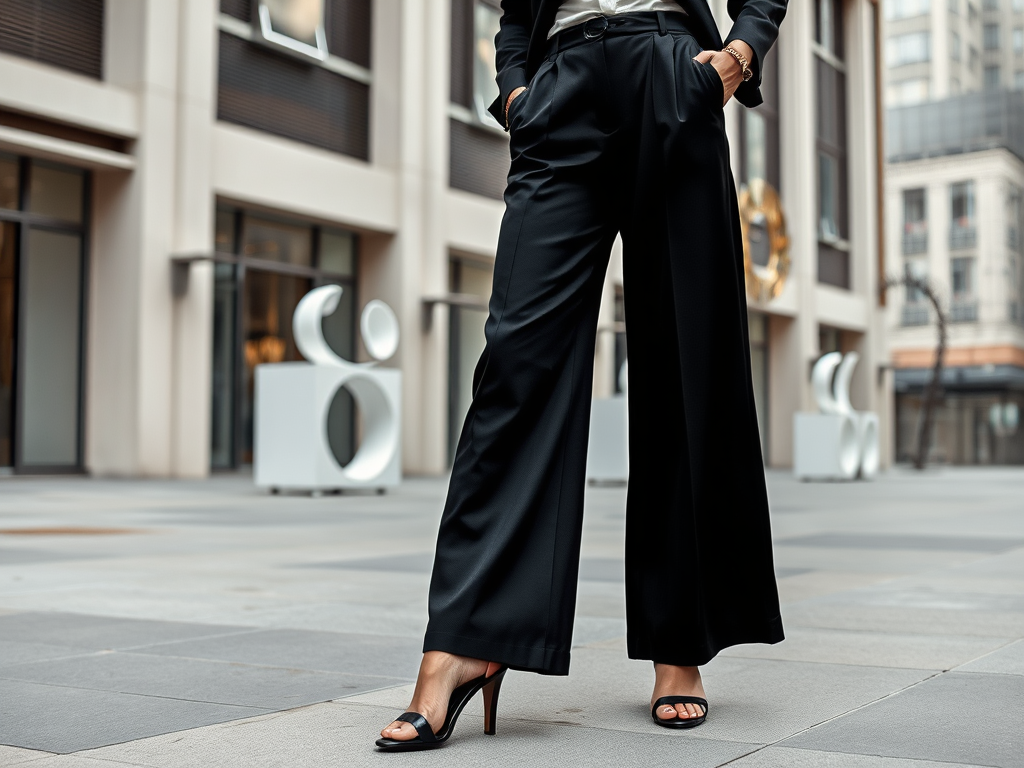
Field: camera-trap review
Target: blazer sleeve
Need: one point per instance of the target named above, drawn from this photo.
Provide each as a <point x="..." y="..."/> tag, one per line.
<point x="511" y="45"/>
<point x="755" y="22"/>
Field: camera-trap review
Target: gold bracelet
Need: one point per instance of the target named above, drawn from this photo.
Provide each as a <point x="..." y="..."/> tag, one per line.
<point x="747" y="71"/>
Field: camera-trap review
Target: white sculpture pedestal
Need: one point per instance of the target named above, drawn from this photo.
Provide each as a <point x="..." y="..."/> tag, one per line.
<point x="608" y="454"/>
<point x="291" y="449"/>
<point x="826" y="446"/>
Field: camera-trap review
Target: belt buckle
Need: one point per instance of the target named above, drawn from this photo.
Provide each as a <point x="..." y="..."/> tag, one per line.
<point x="594" y="29"/>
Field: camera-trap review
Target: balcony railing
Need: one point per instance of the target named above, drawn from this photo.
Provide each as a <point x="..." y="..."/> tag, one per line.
<point x="961" y="237"/>
<point x="915" y="242"/>
<point x="915" y="314"/>
<point x="963" y="311"/>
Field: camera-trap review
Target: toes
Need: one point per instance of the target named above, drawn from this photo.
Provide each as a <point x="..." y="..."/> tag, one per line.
<point x="399" y="731"/>
<point x="666" y="712"/>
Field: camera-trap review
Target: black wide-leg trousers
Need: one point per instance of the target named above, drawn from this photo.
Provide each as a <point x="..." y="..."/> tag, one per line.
<point x="622" y="134"/>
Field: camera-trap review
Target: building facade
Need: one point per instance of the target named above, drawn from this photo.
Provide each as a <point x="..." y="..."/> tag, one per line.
<point x="176" y="174"/>
<point x="954" y="195"/>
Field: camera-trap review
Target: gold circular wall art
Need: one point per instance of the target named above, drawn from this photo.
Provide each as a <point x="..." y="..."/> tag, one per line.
<point x="761" y="208"/>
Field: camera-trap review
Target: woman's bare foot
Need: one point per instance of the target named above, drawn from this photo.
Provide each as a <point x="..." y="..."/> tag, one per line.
<point x="440" y="674"/>
<point x="670" y="680"/>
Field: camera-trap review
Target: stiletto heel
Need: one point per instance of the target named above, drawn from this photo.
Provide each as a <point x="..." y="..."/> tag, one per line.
<point x="426" y="738"/>
<point x="491" y="691"/>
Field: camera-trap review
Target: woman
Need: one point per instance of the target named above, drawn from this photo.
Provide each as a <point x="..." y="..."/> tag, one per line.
<point x="615" y="113"/>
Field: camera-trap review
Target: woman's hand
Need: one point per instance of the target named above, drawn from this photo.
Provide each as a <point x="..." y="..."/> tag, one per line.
<point x="727" y="66"/>
<point x="513" y="96"/>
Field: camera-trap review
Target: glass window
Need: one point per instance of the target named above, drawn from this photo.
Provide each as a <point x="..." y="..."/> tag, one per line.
<point x="954" y="46"/>
<point x="954" y="6"/>
<point x="962" y="277"/>
<point x="295" y="24"/>
<point x="904" y="9"/>
<point x="466" y="341"/>
<point x="337" y="251"/>
<point x="913" y="208"/>
<point x="1018" y="80"/>
<point x="56" y="192"/>
<point x="224" y="236"/>
<point x="1018" y="6"/>
<point x="828" y="190"/>
<point x="1018" y="40"/>
<point x="990" y="37"/>
<point x="1014" y="219"/>
<point x="917" y="268"/>
<point x="962" y="203"/>
<point x="829" y="26"/>
<point x="8" y="258"/>
<point x="756" y="146"/>
<point x="277" y="241"/>
<point x="253" y="309"/>
<point x="990" y="5"/>
<point x="9" y="185"/>
<point x="52" y="317"/>
<point x="915" y="225"/>
<point x="992" y="77"/>
<point x="222" y="431"/>
<point x="910" y="48"/>
<point x="912" y="91"/>
<point x="485" y="89"/>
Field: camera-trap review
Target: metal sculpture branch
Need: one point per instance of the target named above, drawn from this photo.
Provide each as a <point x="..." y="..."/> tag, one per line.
<point x="933" y="390"/>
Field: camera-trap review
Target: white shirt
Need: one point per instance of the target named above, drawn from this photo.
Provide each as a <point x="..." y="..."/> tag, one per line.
<point x="572" y="12"/>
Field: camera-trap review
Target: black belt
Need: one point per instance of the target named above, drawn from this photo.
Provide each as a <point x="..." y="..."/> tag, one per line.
<point x="622" y="24"/>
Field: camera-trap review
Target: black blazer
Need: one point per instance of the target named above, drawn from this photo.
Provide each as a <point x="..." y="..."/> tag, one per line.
<point x="522" y="40"/>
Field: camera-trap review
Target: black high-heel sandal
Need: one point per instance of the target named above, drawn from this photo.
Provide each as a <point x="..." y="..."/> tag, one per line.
<point x="460" y="697"/>
<point x="679" y="722"/>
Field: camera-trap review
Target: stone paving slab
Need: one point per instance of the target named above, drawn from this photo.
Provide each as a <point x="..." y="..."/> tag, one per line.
<point x="915" y="541"/>
<point x="751" y="701"/>
<point x="343" y="734"/>
<point x="883" y="584"/>
<point x="873" y="649"/>
<point x="16" y="755"/>
<point x="100" y="632"/>
<point x="13" y="652"/>
<point x="1008" y="660"/>
<point x="954" y="717"/>
<point x="195" y="680"/>
<point x="382" y="655"/>
<point x="783" y="757"/>
<point x="62" y="719"/>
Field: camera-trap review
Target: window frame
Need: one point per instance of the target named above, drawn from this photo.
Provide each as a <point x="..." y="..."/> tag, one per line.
<point x="24" y="221"/>
<point x="278" y="39"/>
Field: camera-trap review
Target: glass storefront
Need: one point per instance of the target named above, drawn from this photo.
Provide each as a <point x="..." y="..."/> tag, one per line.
<point x="273" y="263"/>
<point x="42" y="275"/>
<point x="970" y="428"/>
<point x="757" y="324"/>
<point x="466" y="341"/>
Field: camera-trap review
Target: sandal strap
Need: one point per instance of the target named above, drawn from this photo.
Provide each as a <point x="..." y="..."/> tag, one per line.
<point x="419" y="722"/>
<point x="680" y="700"/>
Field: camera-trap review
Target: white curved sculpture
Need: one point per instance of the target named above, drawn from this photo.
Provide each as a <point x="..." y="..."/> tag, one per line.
<point x="291" y="446"/>
<point x="821" y="382"/>
<point x="379" y="328"/>
<point x="839" y="443"/>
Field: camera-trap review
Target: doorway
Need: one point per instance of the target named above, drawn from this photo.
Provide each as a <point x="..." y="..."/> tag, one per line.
<point x="42" y="268"/>
<point x="276" y="261"/>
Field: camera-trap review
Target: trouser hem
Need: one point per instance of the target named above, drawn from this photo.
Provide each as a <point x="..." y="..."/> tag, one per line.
<point x="683" y="655"/>
<point x="545" y="661"/>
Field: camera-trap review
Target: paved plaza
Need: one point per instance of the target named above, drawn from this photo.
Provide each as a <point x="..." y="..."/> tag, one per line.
<point x="172" y="624"/>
